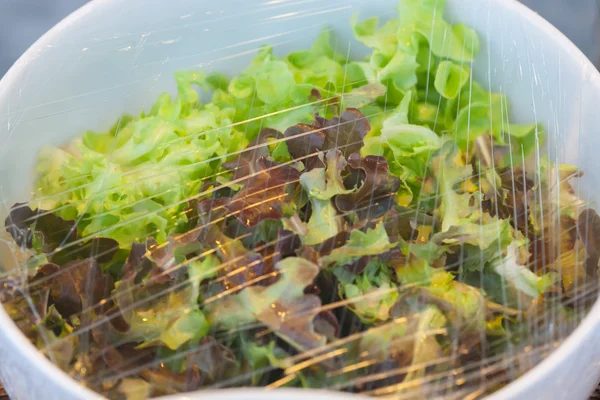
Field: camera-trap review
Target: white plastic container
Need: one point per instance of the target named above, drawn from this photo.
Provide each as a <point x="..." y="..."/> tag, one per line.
<point x="116" y="56"/>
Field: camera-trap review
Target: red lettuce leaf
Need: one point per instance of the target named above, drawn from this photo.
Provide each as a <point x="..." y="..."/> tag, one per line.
<point x="101" y="249"/>
<point x="376" y="187"/>
<point x="345" y="133"/>
<point x="76" y="286"/>
<point x="245" y="164"/>
<point x="25" y="224"/>
<point x="264" y="193"/>
<point x="54" y="236"/>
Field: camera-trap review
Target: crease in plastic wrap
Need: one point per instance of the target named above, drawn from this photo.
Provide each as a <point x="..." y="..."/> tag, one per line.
<point x="384" y="200"/>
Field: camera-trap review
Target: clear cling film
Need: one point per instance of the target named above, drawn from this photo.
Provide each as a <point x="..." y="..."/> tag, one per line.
<point x="388" y="200"/>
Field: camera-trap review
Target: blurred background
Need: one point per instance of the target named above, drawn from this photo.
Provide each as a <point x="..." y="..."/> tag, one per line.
<point x="23" y="21"/>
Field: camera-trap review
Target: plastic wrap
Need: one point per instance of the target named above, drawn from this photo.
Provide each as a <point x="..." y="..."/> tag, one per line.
<point x="131" y="323"/>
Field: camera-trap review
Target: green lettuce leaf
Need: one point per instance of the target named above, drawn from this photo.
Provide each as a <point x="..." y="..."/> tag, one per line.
<point x="450" y="78"/>
<point x="374" y="291"/>
<point x="406" y="146"/>
<point x="283" y="298"/>
<point x="372" y="242"/>
<point x="425" y="348"/>
<point x="410" y="144"/>
<point x="172" y="320"/>
<point x="476" y="112"/>
<point x="410" y="341"/>
<point x="426" y="17"/>
<point x="449" y="173"/>
<point x="322" y="184"/>
<point x="467" y="302"/>
<point x="259" y="357"/>
<point x="491" y="231"/>
<point x="520" y="277"/>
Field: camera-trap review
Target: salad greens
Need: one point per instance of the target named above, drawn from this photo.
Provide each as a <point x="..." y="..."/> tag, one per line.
<point x="319" y="222"/>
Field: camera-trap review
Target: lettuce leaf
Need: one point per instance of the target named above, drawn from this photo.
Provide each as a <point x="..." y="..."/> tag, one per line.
<point x="476" y="112"/>
<point x="411" y="145"/>
<point x="374" y="290"/>
<point x="322" y="184"/>
<point x="369" y="243"/>
<point x="449" y="172"/>
<point x="259" y="357"/>
<point x="281" y="306"/>
<point x="520" y="277"/>
<point x="450" y="78"/>
<point x="467" y="302"/>
<point x="409" y="341"/>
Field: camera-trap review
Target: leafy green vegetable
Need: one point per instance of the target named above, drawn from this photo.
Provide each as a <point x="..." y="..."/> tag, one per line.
<point x="450" y="78"/>
<point x="454" y="207"/>
<point x="322" y="184"/>
<point x="410" y="342"/>
<point x="426" y="349"/>
<point x="128" y="182"/>
<point x="284" y="298"/>
<point x="374" y="291"/>
<point x="411" y="145"/>
<point x="172" y="320"/>
<point x="260" y="357"/>
<point x="476" y="112"/>
<point x="311" y="221"/>
<point x="520" y="277"/>
<point x="372" y="242"/>
<point x="466" y="301"/>
<point x="192" y="326"/>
